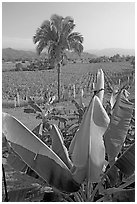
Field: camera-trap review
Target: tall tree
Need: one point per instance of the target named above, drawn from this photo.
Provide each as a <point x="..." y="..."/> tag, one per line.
<point x="56" y="36"/>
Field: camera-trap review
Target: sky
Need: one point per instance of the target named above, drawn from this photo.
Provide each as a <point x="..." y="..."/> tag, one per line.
<point x="102" y="24"/>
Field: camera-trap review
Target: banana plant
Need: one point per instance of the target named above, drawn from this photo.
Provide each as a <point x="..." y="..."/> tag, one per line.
<point x="75" y="171"/>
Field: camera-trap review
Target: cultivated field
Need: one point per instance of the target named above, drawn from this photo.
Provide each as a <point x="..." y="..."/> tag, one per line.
<point x="35" y="83"/>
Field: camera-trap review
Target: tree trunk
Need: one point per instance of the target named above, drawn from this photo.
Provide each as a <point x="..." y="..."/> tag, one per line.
<point x="58" y="69"/>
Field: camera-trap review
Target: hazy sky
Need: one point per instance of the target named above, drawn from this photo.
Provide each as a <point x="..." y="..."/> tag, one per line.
<point x="103" y="25"/>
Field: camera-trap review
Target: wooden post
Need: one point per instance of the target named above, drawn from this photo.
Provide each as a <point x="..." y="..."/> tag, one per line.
<point x="82" y="92"/>
<point x="74" y="91"/>
<point x="18" y="99"/>
<point x="81" y="96"/>
<point x="119" y="82"/>
<point x="65" y="93"/>
<point x="69" y="93"/>
<point x="128" y="79"/>
<point x="15" y="102"/>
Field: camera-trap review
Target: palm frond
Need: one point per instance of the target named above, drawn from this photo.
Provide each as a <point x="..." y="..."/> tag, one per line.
<point x="76" y="47"/>
<point x="51" y="31"/>
<point x="75" y="36"/>
<point x="41" y="45"/>
<point x="56" y="21"/>
<point x="44" y="36"/>
<point x="67" y="26"/>
<point x="43" y="31"/>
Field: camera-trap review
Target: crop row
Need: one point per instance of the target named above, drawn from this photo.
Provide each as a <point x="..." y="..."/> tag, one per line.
<point x="37" y="83"/>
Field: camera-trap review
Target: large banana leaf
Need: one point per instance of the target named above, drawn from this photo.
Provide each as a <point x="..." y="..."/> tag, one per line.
<point x="37" y="155"/>
<point x="16" y="162"/>
<point x="87" y="147"/>
<point x="123" y="188"/>
<point x="58" y="146"/>
<point x="118" y="127"/>
<point x="125" y="163"/>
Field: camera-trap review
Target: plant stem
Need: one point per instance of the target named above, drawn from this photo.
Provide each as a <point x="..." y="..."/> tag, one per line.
<point x="5" y="184"/>
<point x="94" y="192"/>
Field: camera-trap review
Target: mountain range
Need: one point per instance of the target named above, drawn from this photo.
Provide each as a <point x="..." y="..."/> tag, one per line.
<point x="12" y="54"/>
<point x="112" y="51"/>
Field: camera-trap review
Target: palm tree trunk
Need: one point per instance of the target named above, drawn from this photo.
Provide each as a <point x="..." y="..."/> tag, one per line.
<point x="58" y="69"/>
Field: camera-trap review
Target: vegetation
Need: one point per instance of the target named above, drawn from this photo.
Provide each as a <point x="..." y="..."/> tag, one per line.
<point x="116" y="183"/>
<point x="56" y="35"/>
<point x="82" y="147"/>
<point x="35" y="84"/>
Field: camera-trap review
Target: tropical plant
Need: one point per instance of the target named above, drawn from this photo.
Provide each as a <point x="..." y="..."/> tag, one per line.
<point x="56" y="36"/>
<point x="96" y="167"/>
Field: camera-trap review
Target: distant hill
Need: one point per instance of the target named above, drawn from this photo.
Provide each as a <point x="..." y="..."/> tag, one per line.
<point x="9" y="54"/>
<point x="112" y="51"/>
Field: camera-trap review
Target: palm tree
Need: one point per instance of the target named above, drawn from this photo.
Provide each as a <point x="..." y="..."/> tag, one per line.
<point x="56" y="36"/>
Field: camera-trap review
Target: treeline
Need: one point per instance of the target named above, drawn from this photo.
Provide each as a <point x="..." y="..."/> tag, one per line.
<point x="115" y="58"/>
<point x="43" y="64"/>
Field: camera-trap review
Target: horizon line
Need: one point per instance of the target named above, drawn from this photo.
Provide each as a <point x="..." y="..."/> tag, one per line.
<point x="92" y="49"/>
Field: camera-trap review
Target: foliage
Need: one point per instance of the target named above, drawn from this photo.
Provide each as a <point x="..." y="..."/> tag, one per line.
<point x="56" y="36"/>
<point x="116" y="183"/>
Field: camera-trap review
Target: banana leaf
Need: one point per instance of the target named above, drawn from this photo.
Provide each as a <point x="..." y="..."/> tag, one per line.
<point x="87" y="146"/>
<point x="37" y="155"/>
<point x="16" y="162"/>
<point x="116" y="132"/>
<point x="114" y="96"/>
<point x="79" y="107"/>
<point x="34" y="105"/>
<point x="125" y="163"/>
<point x="58" y="146"/>
<point x="100" y="84"/>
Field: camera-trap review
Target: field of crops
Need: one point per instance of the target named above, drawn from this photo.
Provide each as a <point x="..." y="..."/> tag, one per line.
<point x="34" y="84"/>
